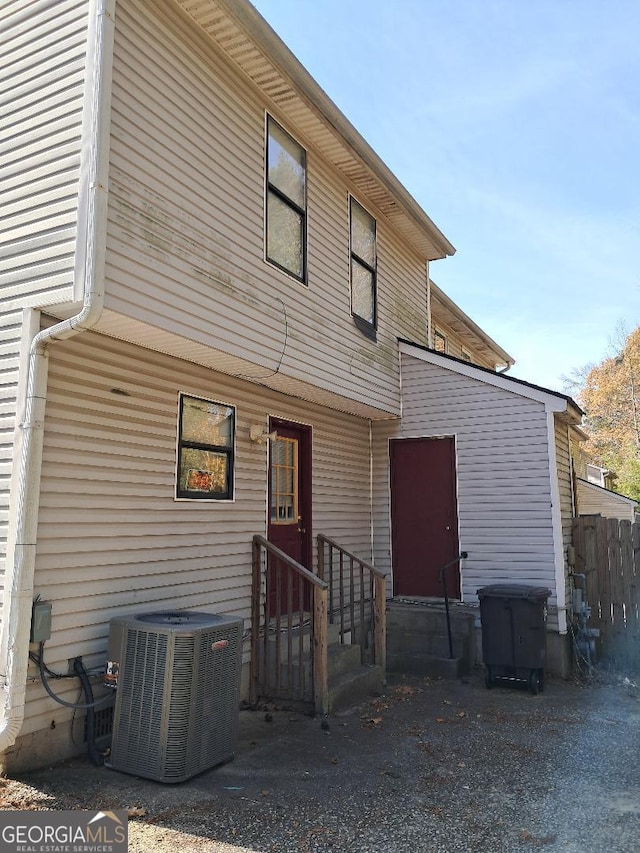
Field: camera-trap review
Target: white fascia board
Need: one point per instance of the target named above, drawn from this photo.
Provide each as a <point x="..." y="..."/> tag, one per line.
<point x="552" y="402"/>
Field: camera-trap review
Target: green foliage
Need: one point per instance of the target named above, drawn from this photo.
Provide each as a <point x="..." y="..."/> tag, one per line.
<point x="610" y="396"/>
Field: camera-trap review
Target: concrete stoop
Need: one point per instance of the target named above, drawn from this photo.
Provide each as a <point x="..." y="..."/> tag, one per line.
<point x="350" y="682"/>
<point x="418" y="642"/>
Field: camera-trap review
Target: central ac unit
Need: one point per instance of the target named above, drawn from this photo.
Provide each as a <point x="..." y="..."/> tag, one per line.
<point x="177" y="676"/>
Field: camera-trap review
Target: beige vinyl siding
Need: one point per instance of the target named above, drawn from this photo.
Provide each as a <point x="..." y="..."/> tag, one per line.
<point x="185" y="249"/>
<point x="504" y="496"/>
<point x="455" y="346"/>
<point x="565" y="485"/>
<point x="111" y="537"/>
<point x="594" y="500"/>
<point x="42" y="58"/>
<point x="381" y="432"/>
<point x="10" y="343"/>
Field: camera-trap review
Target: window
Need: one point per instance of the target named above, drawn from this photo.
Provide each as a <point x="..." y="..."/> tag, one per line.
<point x="465" y="355"/>
<point x="284" y="480"/>
<point x="286" y="201"/>
<point x="363" y="268"/>
<point x="439" y="342"/>
<point x="205" y="449"/>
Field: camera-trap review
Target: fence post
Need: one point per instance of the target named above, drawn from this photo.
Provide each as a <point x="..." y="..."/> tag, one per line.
<point x="320" y="557"/>
<point x="380" y="623"/>
<point x="255" y="622"/>
<point x="320" y="674"/>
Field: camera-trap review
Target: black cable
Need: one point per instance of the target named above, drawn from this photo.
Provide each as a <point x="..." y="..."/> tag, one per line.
<point x="94" y="753"/>
<point x="78" y="705"/>
<point x="34" y="657"/>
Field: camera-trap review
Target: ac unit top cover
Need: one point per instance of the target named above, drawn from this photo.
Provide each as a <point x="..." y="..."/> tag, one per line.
<point x="185" y="618"/>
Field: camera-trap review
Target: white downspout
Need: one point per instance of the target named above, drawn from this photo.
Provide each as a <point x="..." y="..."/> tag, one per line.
<point x="556" y="523"/>
<point x="89" y="280"/>
<point x="429" y="327"/>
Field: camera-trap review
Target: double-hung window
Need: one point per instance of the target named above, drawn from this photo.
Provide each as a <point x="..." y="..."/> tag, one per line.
<point x="286" y="201"/>
<point x="362" y="234"/>
<point x="205" y="449"/>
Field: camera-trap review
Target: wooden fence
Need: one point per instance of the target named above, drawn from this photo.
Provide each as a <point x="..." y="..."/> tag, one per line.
<point x="607" y="552"/>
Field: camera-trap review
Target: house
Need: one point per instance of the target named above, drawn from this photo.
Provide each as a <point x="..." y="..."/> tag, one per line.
<point x="595" y="493"/>
<point x="220" y="338"/>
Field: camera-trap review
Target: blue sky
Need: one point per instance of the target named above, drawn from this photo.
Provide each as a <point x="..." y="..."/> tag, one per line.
<point x="516" y="126"/>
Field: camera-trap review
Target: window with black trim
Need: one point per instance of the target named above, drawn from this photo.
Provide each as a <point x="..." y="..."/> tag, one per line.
<point x="286" y="201"/>
<point x="206" y="433"/>
<point x="362" y="232"/>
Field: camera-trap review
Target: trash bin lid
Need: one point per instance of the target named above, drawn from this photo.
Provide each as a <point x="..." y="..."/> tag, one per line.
<point x="513" y="590"/>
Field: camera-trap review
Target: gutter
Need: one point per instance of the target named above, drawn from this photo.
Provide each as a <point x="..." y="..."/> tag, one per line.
<point x="88" y="280"/>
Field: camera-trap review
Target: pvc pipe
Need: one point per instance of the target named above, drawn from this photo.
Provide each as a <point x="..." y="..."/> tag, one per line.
<point x="88" y="280"/>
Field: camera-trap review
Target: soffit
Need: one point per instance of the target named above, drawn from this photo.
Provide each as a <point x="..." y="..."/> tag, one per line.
<point x="468" y="333"/>
<point x="253" y="47"/>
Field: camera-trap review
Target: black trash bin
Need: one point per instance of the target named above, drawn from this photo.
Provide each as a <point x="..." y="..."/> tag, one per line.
<point x="514" y="633"/>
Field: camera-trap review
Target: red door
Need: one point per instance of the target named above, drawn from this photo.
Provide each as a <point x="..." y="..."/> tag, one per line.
<point x="424" y="516"/>
<point x="289" y="503"/>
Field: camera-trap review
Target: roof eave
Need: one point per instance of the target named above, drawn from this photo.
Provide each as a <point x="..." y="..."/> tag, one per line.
<point x="316" y="99"/>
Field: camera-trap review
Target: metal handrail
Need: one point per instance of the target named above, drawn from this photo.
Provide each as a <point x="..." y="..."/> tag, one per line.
<point x="443" y="580"/>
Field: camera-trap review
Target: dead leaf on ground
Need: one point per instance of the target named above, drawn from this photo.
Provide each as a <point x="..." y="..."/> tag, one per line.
<point x="335" y="760"/>
<point x="405" y="690"/>
<point x="537" y="841"/>
<point x="370" y="722"/>
<point x="136" y="811"/>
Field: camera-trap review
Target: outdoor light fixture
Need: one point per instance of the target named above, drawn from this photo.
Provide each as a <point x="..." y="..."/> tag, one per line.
<point x="258" y="434"/>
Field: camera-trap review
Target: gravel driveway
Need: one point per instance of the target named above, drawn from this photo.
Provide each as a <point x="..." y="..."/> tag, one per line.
<point x="428" y="766"/>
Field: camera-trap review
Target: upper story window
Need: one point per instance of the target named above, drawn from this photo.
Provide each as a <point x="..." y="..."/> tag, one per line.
<point x="363" y="268"/>
<point x="440" y="342"/>
<point x="286" y="201"/>
<point x="205" y="449"/>
<point x="464" y="355"/>
<point x="595" y="475"/>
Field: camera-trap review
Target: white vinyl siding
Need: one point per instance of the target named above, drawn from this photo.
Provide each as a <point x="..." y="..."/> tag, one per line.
<point x="112" y="539"/>
<point x="42" y="59"/>
<point x="185" y="249"/>
<point x="504" y="494"/>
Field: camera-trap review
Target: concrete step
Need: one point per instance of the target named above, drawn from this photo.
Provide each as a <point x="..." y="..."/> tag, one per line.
<point x="418" y="640"/>
<point x="414" y="617"/>
<point x="425" y="664"/>
<point x="353" y="687"/>
<point x="342" y="659"/>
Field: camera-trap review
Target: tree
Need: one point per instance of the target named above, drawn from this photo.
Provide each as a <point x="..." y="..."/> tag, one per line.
<point x="611" y="398"/>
